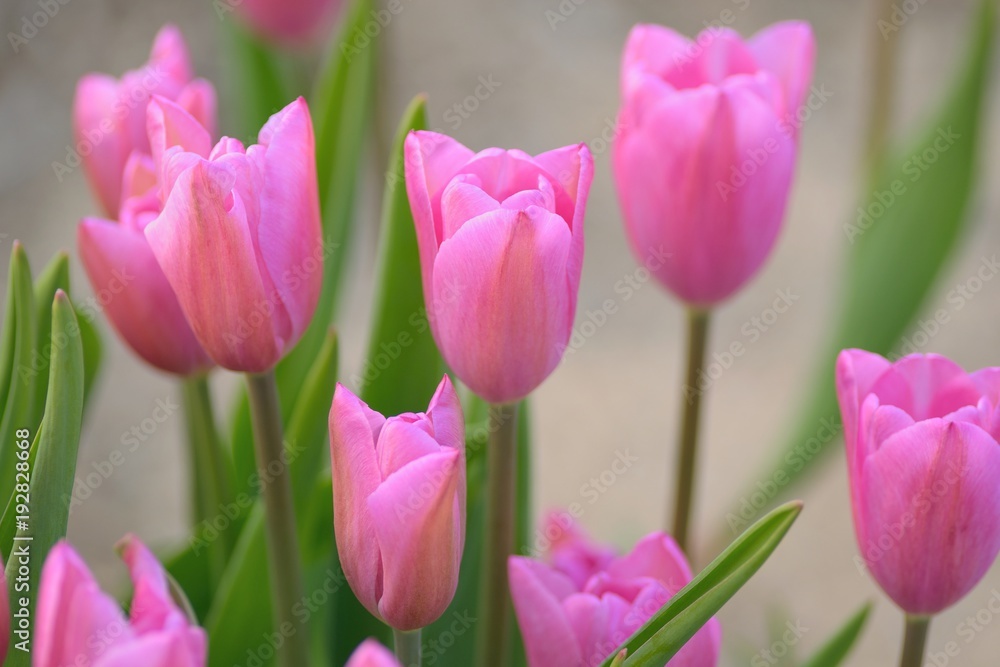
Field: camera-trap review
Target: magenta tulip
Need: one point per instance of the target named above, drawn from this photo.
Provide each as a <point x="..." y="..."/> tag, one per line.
<point x="705" y="151"/>
<point x="372" y="654"/>
<point x="924" y="467"/>
<point x="582" y="604"/>
<point x="128" y="283"/>
<point x="399" y="505"/>
<point x="78" y="624"/>
<point x="239" y="240"/>
<point x="289" y="22"/>
<point x="501" y="250"/>
<point x="109" y="115"/>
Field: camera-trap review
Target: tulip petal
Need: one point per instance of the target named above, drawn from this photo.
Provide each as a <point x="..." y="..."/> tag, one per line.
<point x="101" y="145"/>
<point x="501" y="283"/>
<point x="658" y="556"/>
<point x="198" y="98"/>
<point x="138" y="299"/>
<point x="934" y="536"/>
<point x="168" y="124"/>
<point x="413" y="513"/>
<point x="857" y="371"/>
<point x="185" y="647"/>
<point x="789" y="50"/>
<point x="462" y="201"/>
<point x="926" y="386"/>
<point x="205" y="248"/>
<point x="353" y="429"/>
<point x="152" y="608"/>
<point x="549" y="639"/>
<point x="372" y="654"/>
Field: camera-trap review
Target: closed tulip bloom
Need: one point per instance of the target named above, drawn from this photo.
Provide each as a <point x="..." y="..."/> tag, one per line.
<point x="127" y="280"/>
<point x="705" y="151"/>
<point x="501" y="251"/>
<point x="399" y="505"/>
<point x="582" y="603"/>
<point x="372" y="654"/>
<point x="74" y="613"/>
<point x="109" y="114"/>
<point x="923" y="462"/>
<point x="239" y="240"/>
<point x="288" y="21"/>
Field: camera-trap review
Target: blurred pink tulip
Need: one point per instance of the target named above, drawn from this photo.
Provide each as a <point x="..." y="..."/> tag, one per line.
<point x="289" y="22"/>
<point x="128" y="283"/>
<point x="78" y="624"/>
<point x="372" y="654"/>
<point x="109" y="115"/>
<point x="924" y="467"/>
<point x="501" y="250"/>
<point x="399" y="505"/>
<point x="239" y="238"/>
<point x="584" y="603"/>
<point x="705" y="151"/>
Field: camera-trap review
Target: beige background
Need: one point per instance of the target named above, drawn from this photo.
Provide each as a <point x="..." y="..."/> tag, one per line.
<point x="619" y="391"/>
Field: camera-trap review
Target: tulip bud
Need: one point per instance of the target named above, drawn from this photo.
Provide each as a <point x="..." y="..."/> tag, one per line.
<point x="399" y="505"/>
<point x="77" y="623"/>
<point x="289" y="22"/>
<point x="109" y="115"/>
<point x="240" y="243"/>
<point x="923" y="463"/>
<point x="372" y="654"/>
<point x="705" y="150"/>
<point x="501" y="250"/>
<point x="583" y="603"/>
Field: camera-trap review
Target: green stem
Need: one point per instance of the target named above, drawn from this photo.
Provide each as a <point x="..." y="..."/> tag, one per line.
<point x="882" y="90"/>
<point x="284" y="564"/>
<point x="691" y="408"/>
<point x="211" y="469"/>
<point x="407" y="647"/>
<point x="501" y="485"/>
<point x="914" y="640"/>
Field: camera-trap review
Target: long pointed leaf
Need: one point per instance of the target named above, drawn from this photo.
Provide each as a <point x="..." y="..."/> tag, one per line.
<point x="835" y="650"/>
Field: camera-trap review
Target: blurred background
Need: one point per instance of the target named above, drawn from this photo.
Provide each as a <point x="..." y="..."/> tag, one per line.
<point x="554" y="83"/>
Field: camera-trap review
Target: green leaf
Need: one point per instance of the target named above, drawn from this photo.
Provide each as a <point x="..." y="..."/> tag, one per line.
<point x="895" y="261"/>
<point x="54" y="277"/>
<point x="93" y="353"/>
<point x="51" y="478"/>
<point x="22" y="367"/>
<point x="669" y="629"/>
<point x="341" y="107"/>
<point x="258" y="82"/>
<point x="834" y="652"/>
<point x="241" y="611"/>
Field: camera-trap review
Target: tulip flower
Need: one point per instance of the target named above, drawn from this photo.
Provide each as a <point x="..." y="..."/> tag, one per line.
<point x="501" y="249"/>
<point x="924" y="467"/>
<point x="577" y="615"/>
<point x="399" y="505"/>
<point x="109" y="115"/>
<point x="372" y="654"/>
<point x="239" y="239"/>
<point x="705" y="151"/>
<point x="79" y="624"/>
<point x="288" y="21"/>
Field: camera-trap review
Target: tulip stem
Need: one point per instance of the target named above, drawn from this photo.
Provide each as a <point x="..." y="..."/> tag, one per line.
<point x="279" y="517"/>
<point x="882" y="89"/>
<point x="914" y="640"/>
<point x="211" y="470"/>
<point x="690" y="408"/>
<point x="407" y="647"/>
<point x="501" y="485"/>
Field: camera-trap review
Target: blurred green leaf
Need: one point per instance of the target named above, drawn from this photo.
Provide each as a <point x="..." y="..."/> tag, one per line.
<point x="54" y="277"/>
<point x="22" y="366"/>
<point x="659" y="639"/>
<point x="917" y="214"/>
<point x="93" y="354"/>
<point x="51" y="478"/>
<point x="834" y="652"/>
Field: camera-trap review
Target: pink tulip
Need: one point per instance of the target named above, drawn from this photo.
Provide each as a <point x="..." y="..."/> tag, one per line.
<point x="109" y="115"/>
<point x="924" y="466"/>
<point x="78" y="624"/>
<point x="399" y="505"/>
<point x="584" y="603"/>
<point x="501" y="250"/>
<point x="239" y="239"/>
<point x="128" y="282"/>
<point x="289" y="22"/>
<point x="705" y="151"/>
<point x="372" y="654"/>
